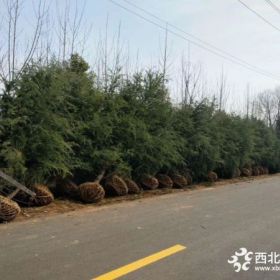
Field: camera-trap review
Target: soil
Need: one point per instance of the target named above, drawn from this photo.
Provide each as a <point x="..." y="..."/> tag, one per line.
<point x="63" y="205"/>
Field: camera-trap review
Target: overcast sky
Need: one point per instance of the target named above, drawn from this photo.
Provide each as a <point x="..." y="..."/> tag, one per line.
<point x="225" y="24"/>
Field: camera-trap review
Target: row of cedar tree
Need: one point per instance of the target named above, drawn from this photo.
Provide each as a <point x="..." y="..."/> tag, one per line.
<point x="59" y="125"/>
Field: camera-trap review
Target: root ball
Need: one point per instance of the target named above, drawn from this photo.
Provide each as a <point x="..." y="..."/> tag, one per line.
<point x="91" y="192"/>
<point x="115" y="185"/>
<point x="164" y="181"/>
<point x="8" y="209"/>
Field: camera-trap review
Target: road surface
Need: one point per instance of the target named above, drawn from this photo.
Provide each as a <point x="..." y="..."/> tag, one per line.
<point x="208" y="225"/>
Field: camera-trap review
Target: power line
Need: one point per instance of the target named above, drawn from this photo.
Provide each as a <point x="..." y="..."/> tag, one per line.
<point x="196" y="38"/>
<point x="218" y="52"/>
<point x="273" y="6"/>
<point x="259" y="15"/>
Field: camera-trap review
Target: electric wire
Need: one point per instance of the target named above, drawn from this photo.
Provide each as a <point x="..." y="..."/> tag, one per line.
<point x="201" y="44"/>
<point x="259" y="15"/>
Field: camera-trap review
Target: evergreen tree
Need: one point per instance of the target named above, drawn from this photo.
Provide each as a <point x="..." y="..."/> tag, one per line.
<point x="55" y="121"/>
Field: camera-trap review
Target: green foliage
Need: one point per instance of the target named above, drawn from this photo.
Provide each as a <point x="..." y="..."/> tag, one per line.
<point x="196" y="126"/>
<point x="266" y="149"/>
<point x="56" y="121"/>
<point x="34" y="129"/>
<point x="152" y="144"/>
<point x="235" y="141"/>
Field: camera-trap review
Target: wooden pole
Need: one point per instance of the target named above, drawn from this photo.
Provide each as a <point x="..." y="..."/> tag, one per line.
<point x="16" y="184"/>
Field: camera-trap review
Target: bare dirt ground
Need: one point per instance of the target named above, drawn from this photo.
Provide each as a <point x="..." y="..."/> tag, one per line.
<point x="63" y="205"/>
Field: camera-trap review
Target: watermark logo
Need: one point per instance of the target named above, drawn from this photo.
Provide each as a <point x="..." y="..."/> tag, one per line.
<point x="241" y="260"/>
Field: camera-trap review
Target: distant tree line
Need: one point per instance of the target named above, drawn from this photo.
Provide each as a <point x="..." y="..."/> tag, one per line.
<point x="57" y="121"/>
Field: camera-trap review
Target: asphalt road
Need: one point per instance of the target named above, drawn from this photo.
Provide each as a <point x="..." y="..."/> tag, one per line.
<point x="211" y="223"/>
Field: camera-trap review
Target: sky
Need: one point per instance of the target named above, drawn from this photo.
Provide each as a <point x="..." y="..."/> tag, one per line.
<point x="227" y="25"/>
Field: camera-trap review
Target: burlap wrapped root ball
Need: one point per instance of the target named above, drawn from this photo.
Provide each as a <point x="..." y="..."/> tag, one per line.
<point x="179" y="181"/>
<point x="91" y="192"/>
<point x="149" y="182"/>
<point x="266" y="170"/>
<point x="212" y="176"/>
<point x="164" y="181"/>
<point x="115" y="185"/>
<point x="132" y="186"/>
<point x="43" y="195"/>
<point x="188" y="174"/>
<point x="256" y="171"/>
<point x="189" y="178"/>
<point x="8" y="209"/>
<point x="250" y="170"/>
<point x="261" y="170"/>
<point x="236" y="173"/>
<point x="69" y="189"/>
<point x="23" y="198"/>
<point x="246" y="172"/>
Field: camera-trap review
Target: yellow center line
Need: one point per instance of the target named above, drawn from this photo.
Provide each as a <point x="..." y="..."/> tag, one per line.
<point x="114" y="274"/>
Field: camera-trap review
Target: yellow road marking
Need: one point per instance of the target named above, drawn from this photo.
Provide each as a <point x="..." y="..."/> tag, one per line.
<point x="140" y="263"/>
